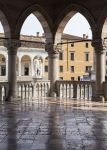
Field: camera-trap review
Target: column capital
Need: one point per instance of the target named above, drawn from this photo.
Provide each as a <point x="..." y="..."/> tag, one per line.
<point x="99" y="45"/>
<point x="52" y="48"/>
<point x="12" y="45"/>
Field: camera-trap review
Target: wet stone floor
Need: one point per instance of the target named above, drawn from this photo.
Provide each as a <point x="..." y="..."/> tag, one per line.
<point x="53" y="124"/>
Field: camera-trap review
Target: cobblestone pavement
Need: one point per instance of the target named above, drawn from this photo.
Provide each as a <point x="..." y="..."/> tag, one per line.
<point x="53" y="124"/>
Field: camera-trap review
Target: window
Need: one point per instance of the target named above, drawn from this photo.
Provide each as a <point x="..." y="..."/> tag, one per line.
<point x="60" y="56"/>
<point x="86" y="45"/>
<point x="86" y="56"/>
<point x="72" y="56"/>
<point x="72" y="44"/>
<point x="72" y="78"/>
<point x="88" y="68"/>
<point x="46" y="58"/>
<point x="26" y="71"/>
<point x="3" y="59"/>
<point x="78" y="78"/>
<point x="46" y="68"/>
<point x="72" y="68"/>
<point x="3" y="70"/>
<point x="61" y="68"/>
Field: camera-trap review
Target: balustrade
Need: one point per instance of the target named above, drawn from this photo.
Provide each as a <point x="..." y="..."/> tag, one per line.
<point x="75" y="89"/>
<point x="29" y="89"/>
<point x="42" y="88"/>
<point x="25" y="89"/>
<point x="65" y="89"/>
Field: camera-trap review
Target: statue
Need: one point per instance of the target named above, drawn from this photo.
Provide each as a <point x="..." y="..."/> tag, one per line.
<point x="38" y="67"/>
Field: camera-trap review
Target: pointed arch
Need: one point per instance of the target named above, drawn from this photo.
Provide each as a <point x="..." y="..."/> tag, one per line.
<point x="42" y="16"/>
<point x="5" y="24"/>
<point x="102" y="21"/>
<point x="66" y="15"/>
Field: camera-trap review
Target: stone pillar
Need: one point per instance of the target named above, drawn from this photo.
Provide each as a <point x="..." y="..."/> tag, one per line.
<point x="12" y="46"/>
<point x="7" y="67"/>
<point x="100" y="69"/>
<point x="75" y="90"/>
<point x="19" y="73"/>
<point x="32" y="68"/>
<point x="0" y="70"/>
<point x="53" y="67"/>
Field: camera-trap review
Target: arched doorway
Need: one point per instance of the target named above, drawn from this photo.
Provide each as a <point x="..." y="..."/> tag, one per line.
<point x="26" y="66"/>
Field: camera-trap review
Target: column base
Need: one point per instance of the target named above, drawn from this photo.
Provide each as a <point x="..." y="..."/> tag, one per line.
<point x="52" y="94"/>
<point x="9" y="99"/>
<point x="98" y="98"/>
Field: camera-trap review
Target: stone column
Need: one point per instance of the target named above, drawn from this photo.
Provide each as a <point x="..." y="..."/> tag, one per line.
<point x="12" y="46"/>
<point x="100" y="69"/>
<point x="0" y="70"/>
<point x="53" y="67"/>
<point x="19" y="66"/>
<point x="6" y="67"/>
<point x="32" y="68"/>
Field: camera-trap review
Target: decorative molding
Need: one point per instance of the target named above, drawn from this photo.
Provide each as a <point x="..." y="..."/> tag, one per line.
<point x="52" y="48"/>
<point x="65" y="15"/>
<point x="12" y="46"/>
<point x="12" y="43"/>
<point x="105" y="44"/>
<point x="99" y="45"/>
<point x="102" y="19"/>
<point x="41" y="15"/>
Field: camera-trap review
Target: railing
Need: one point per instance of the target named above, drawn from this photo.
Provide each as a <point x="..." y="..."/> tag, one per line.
<point x="29" y="89"/>
<point x="64" y="89"/>
<point x="75" y="89"/>
<point x="24" y="89"/>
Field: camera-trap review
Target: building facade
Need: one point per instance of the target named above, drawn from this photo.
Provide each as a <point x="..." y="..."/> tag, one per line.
<point x="75" y="59"/>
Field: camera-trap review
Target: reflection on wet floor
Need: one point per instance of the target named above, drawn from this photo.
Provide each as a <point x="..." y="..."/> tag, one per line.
<point x="53" y="124"/>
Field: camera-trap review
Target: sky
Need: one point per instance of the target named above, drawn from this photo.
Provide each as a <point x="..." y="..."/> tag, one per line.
<point x="77" y="25"/>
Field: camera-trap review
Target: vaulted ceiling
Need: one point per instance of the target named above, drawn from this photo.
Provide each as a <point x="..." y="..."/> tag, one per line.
<point x="53" y="11"/>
